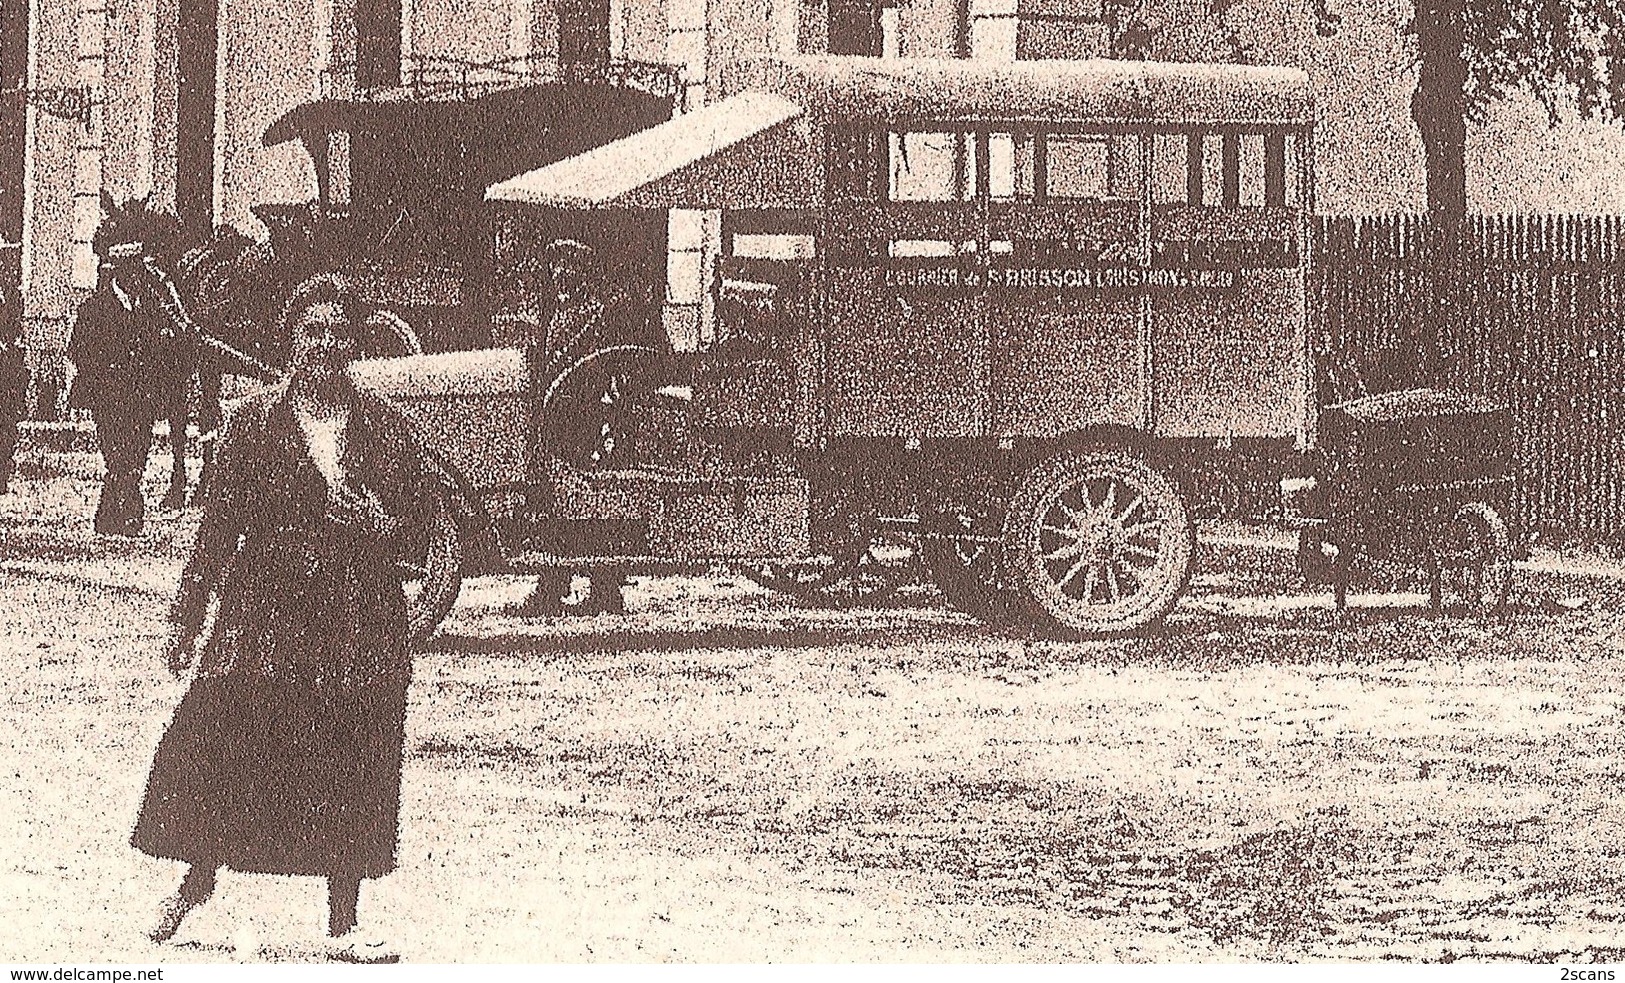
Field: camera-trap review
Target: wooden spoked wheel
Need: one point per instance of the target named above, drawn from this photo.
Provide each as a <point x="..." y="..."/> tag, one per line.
<point x="587" y="419"/>
<point x="1097" y="544"/>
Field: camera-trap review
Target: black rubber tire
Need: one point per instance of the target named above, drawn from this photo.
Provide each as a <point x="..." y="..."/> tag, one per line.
<point x="1043" y="559"/>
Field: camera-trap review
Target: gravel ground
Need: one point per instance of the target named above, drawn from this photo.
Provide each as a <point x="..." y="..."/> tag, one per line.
<point x="724" y="775"/>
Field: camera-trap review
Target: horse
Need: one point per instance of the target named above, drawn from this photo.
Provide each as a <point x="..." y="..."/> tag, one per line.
<point x="223" y="298"/>
<point x="235" y="286"/>
<point x="138" y="348"/>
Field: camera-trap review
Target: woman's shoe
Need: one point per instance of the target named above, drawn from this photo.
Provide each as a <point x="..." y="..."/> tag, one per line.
<point x="355" y="947"/>
<point x="170" y="915"/>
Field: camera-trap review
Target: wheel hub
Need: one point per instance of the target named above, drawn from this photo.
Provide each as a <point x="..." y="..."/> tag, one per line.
<point x="1089" y="542"/>
<point x="1104" y="539"/>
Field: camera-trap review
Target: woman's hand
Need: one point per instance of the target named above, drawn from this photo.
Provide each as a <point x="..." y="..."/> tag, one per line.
<point x="179" y="651"/>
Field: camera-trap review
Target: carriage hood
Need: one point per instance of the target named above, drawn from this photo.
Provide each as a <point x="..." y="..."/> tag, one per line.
<point x="753" y="150"/>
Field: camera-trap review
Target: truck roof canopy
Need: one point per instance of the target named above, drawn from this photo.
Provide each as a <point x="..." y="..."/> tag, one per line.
<point x="763" y="147"/>
<point x="838" y="88"/>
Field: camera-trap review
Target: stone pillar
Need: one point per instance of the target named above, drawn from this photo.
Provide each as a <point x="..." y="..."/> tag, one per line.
<point x="51" y="147"/>
<point x="198" y="112"/>
<point x="166" y="16"/>
<point x="470" y="30"/>
<point x="521" y="38"/>
<point x="736" y="29"/>
<point x="993" y="30"/>
<point x="87" y="179"/>
<point x="267" y="63"/>
<point x="127" y="99"/>
<point x="377" y="25"/>
<point x="544" y="34"/>
<point x="928" y="28"/>
<point x="643" y="30"/>
<point x="14" y="45"/>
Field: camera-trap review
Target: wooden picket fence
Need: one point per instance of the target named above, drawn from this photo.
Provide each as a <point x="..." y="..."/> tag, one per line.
<point x="1524" y="309"/>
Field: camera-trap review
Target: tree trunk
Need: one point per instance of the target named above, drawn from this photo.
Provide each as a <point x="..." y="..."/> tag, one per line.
<point x="1439" y="105"/>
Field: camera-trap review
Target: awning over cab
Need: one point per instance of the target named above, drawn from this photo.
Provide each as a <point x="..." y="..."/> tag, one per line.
<point x="753" y="150"/>
<point x="851" y="89"/>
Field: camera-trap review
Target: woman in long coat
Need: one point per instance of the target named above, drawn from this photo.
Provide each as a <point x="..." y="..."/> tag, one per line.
<point x="284" y="757"/>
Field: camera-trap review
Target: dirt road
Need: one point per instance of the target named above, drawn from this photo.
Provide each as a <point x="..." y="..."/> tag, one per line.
<point x="722" y="775"/>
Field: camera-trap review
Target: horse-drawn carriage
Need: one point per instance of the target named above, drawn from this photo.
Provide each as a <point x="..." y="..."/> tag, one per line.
<point x="1014" y="301"/>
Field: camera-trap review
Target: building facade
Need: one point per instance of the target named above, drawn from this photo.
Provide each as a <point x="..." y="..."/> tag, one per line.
<point x="171" y="99"/>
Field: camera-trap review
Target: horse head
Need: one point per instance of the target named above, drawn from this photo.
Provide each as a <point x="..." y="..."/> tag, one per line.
<point x="136" y="229"/>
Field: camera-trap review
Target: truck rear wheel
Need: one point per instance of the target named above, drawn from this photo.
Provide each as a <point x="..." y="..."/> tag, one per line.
<point x="1097" y="544"/>
<point x="1473" y="561"/>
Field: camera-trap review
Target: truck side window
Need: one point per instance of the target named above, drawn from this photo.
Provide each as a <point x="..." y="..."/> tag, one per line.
<point x="1227" y="169"/>
<point x="1078" y="167"/>
<point x="1091" y="166"/>
<point x="931" y="166"/>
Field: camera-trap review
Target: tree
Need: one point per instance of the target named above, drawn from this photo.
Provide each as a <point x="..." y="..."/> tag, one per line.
<point x="1473" y="53"/>
<point x="1174" y="30"/>
<point x="1469" y="55"/>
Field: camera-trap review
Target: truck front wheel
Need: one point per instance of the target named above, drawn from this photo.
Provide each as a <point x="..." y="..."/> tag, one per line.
<point x="1097" y="544"/>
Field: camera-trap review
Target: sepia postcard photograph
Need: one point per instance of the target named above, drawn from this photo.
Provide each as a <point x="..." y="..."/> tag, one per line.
<point x="1109" y="482"/>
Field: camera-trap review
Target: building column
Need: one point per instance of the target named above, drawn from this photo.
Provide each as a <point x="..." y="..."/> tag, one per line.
<point x="88" y="176"/>
<point x="377" y="26"/>
<point x="128" y="92"/>
<point x="166" y="22"/>
<point x="14" y="45"/>
<point x="521" y="36"/>
<point x="197" y="111"/>
<point x="267" y="56"/>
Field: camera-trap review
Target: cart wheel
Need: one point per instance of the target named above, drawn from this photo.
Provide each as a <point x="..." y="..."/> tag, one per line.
<point x="587" y="415"/>
<point x="1317" y="559"/>
<point x="433" y="578"/>
<point x="386" y="333"/>
<point x="1098" y="543"/>
<point x="964" y="558"/>
<point x="1475" y="559"/>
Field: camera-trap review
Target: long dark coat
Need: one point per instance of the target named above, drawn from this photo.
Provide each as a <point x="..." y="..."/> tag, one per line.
<point x="122" y="356"/>
<point x="285" y="754"/>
